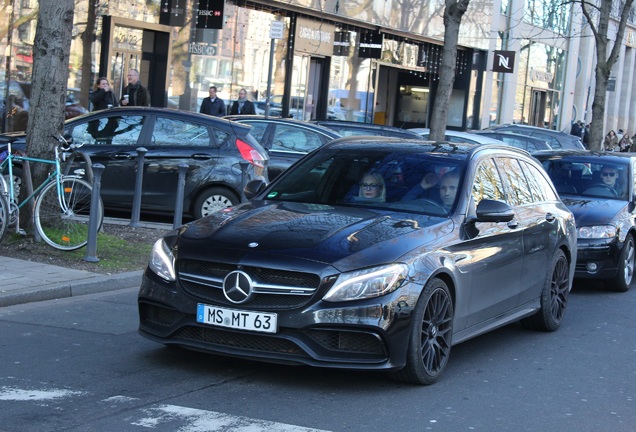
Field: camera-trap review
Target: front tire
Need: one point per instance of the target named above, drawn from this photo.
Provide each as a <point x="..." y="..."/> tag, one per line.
<point x="625" y="273"/>
<point x="431" y="336"/>
<point x="212" y="200"/>
<point x="554" y="296"/>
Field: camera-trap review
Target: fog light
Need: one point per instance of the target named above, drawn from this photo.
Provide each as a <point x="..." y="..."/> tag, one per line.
<point x="592" y="267"/>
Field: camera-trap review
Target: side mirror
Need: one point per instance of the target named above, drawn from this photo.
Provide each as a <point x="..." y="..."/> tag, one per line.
<point x="493" y="211"/>
<point x="253" y="187"/>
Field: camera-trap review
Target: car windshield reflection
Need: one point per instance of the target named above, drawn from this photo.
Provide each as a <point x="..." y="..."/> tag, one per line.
<point x="589" y="178"/>
<point x="382" y="179"/>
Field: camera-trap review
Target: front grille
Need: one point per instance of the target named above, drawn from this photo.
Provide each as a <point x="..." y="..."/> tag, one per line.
<point x="348" y="342"/>
<point x="273" y="288"/>
<point x="239" y="340"/>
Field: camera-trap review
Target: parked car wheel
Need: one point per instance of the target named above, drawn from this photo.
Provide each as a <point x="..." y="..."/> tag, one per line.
<point x="212" y="200"/>
<point x="431" y="334"/>
<point x="625" y="273"/>
<point x="554" y="297"/>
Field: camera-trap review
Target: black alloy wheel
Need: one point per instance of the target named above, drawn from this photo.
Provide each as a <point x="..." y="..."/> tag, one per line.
<point x="431" y="336"/>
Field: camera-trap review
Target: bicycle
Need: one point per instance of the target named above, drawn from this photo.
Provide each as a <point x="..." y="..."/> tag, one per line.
<point x="62" y="202"/>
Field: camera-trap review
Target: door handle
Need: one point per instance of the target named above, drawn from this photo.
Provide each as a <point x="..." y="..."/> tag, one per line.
<point x="122" y="156"/>
<point x="201" y="156"/>
<point x="513" y="224"/>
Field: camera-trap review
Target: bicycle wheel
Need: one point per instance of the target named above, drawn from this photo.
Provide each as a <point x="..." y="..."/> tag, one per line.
<point x="4" y="215"/>
<point x="66" y="229"/>
<point x="79" y="163"/>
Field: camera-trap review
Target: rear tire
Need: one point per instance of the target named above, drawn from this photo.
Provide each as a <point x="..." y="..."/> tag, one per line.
<point x="625" y="273"/>
<point x="554" y="296"/>
<point x="212" y="200"/>
<point x="66" y="230"/>
<point x="431" y="336"/>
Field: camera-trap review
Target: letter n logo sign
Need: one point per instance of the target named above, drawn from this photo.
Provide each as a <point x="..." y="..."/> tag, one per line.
<point x="504" y="61"/>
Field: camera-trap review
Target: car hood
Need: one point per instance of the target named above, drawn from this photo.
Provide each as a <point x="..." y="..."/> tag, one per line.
<point x="296" y="234"/>
<point x="590" y="211"/>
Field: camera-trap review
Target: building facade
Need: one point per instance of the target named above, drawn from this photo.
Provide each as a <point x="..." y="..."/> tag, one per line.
<point x="523" y="61"/>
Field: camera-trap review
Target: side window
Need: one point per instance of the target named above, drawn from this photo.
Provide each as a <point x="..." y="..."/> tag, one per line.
<point x="258" y="131"/>
<point x="114" y="130"/>
<point x="295" y="139"/>
<point x="220" y="136"/>
<point x="552" y="142"/>
<point x="170" y="131"/>
<point x="515" y="181"/>
<point x="539" y="185"/>
<point x="487" y="183"/>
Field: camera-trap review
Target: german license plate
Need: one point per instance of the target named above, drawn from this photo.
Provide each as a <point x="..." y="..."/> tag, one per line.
<point x="237" y="319"/>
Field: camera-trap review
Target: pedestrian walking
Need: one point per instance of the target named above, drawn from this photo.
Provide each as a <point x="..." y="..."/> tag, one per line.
<point x="610" y="143"/>
<point x="212" y="105"/>
<point x="134" y="93"/>
<point x="103" y="96"/>
<point x="243" y="105"/>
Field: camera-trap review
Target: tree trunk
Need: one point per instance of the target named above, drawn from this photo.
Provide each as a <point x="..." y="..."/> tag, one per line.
<point x="452" y="19"/>
<point x="87" y="55"/>
<point x="597" y="18"/>
<point x="51" y="49"/>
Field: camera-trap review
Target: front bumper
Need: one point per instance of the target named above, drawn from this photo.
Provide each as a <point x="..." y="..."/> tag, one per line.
<point x="597" y="260"/>
<point x="366" y="334"/>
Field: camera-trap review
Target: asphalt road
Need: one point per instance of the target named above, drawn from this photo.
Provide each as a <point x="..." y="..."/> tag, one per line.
<point x="77" y="364"/>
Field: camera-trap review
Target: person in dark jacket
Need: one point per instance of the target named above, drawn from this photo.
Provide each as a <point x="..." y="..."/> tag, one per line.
<point x="212" y="105"/>
<point x="103" y="96"/>
<point x="242" y="105"/>
<point x="134" y="93"/>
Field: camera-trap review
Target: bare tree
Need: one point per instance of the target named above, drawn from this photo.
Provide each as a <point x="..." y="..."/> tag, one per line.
<point x="51" y="51"/>
<point x="453" y="14"/>
<point x="598" y="16"/>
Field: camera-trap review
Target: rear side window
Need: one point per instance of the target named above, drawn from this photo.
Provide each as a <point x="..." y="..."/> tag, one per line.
<point x="296" y="139"/>
<point x="515" y="181"/>
<point x="258" y="131"/>
<point x="171" y="132"/>
<point x="540" y="187"/>
<point x="552" y="142"/>
<point x="114" y="130"/>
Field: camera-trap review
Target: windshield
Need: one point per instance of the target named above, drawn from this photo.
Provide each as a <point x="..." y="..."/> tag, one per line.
<point x="589" y="177"/>
<point x="380" y="178"/>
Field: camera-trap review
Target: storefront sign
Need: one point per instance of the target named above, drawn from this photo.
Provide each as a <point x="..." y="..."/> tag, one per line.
<point x="370" y="45"/>
<point x="202" y="49"/>
<point x="210" y="14"/>
<point x="314" y="37"/>
<point x="172" y="13"/>
<point x="342" y="44"/>
<point x="504" y="62"/>
<point x="540" y="75"/>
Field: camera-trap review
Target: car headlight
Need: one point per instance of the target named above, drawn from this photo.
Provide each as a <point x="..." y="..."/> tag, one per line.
<point x="162" y="261"/>
<point x="367" y="283"/>
<point x="596" y="232"/>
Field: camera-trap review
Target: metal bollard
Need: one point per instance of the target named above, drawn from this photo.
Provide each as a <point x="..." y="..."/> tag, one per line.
<point x="93" y="222"/>
<point x="136" y="210"/>
<point x="244" y="166"/>
<point x="178" y="208"/>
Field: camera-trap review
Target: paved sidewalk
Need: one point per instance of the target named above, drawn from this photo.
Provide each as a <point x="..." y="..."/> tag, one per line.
<point x="26" y="281"/>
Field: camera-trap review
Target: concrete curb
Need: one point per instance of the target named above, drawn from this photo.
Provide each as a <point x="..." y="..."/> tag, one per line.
<point x="92" y="285"/>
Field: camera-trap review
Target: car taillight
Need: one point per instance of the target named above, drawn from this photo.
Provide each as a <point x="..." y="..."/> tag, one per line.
<point x="250" y="154"/>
